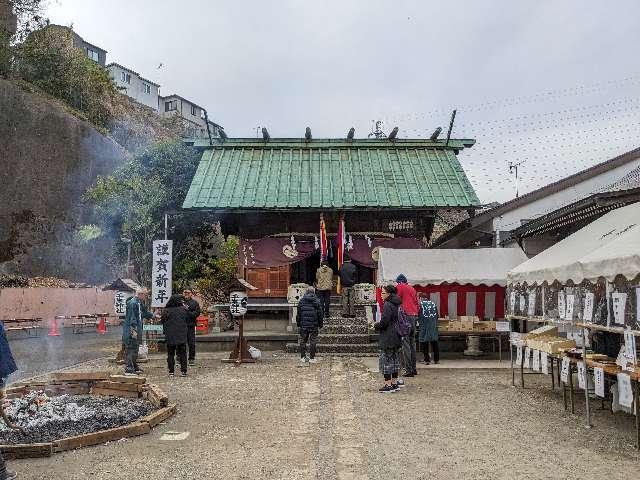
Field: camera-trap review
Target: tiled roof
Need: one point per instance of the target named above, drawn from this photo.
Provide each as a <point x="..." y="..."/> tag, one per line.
<point x="330" y="173"/>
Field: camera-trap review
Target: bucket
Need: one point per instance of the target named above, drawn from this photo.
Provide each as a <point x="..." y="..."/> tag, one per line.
<point x="202" y="325"/>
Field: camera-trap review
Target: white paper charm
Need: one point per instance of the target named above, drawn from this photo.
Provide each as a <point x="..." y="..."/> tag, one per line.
<point x="568" y="312"/>
<point x="536" y="361"/>
<point x="544" y="362"/>
<point x="531" y="308"/>
<point x="512" y="303"/>
<point x="625" y="393"/>
<point x="561" y="304"/>
<point x="619" y="303"/>
<point x="522" y="304"/>
<point x="587" y="314"/>
<point x="564" y="373"/>
<point x="630" y="347"/>
<point x="582" y="376"/>
<point x="598" y="381"/>
<point x="527" y="357"/>
<point x="519" y="355"/>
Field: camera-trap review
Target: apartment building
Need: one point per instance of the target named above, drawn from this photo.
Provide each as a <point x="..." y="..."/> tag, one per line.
<point x="192" y="116"/>
<point x="95" y="53"/>
<point x="134" y="85"/>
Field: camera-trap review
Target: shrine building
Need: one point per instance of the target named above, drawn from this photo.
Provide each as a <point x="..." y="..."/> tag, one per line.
<point x="272" y="193"/>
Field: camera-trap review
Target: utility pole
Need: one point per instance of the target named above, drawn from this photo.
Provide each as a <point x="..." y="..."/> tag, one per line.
<point x="513" y="168"/>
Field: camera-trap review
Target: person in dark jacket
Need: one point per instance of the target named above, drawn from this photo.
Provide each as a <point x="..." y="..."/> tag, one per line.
<point x="348" y="278"/>
<point x="309" y="320"/>
<point x="7" y="367"/>
<point x="132" y="330"/>
<point x="174" y="325"/>
<point x="389" y="342"/>
<point x="428" y="331"/>
<point x="194" y="312"/>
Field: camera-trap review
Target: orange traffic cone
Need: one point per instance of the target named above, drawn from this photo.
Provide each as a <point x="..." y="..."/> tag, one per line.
<point x="102" y="327"/>
<point x="53" y="327"/>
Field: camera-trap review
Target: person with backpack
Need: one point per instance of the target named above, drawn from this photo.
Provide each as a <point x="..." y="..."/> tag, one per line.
<point x="428" y="328"/>
<point x="409" y="298"/>
<point x="389" y="341"/>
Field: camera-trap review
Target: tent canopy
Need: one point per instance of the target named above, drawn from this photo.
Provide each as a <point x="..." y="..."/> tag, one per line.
<point x="608" y="247"/>
<point x="478" y="266"/>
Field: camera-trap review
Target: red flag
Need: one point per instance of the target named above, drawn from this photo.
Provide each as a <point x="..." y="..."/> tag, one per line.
<point x="340" y="242"/>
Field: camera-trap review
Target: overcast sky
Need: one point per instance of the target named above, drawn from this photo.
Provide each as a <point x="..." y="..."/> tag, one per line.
<point x="552" y="84"/>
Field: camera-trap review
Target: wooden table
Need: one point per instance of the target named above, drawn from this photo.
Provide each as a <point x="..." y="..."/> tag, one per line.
<point x="492" y="334"/>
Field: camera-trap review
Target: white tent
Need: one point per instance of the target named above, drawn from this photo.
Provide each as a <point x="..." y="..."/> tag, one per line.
<point x="608" y="247"/>
<point x="477" y="266"/>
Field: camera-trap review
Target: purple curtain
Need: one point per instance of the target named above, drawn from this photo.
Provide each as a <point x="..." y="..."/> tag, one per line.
<point x="273" y="252"/>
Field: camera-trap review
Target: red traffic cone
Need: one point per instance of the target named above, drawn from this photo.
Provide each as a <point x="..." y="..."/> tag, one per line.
<point x="53" y="327"/>
<point x="102" y="327"/>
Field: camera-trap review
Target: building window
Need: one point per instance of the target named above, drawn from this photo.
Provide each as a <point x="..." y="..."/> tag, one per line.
<point x="147" y="88"/>
<point x="170" y="106"/>
<point x="194" y="110"/>
<point x="93" y="55"/>
<point x="125" y="77"/>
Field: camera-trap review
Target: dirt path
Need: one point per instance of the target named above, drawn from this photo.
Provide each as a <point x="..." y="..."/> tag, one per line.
<point x="277" y="420"/>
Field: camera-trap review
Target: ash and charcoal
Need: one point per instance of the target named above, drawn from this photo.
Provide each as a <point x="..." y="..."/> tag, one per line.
<point x="46" y="419"/>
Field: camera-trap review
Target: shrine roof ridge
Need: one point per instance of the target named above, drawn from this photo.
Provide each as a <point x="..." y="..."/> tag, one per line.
<point x="454" y="143"/>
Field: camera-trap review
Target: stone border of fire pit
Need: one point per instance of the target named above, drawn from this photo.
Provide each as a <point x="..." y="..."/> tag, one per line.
<point x="93" y="383"/>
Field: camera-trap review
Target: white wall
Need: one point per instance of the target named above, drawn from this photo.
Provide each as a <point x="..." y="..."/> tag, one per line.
<point x="512" y="219"/>
<point x="135" y="89"/>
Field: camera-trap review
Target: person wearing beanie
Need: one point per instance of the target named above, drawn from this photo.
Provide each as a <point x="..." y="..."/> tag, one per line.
<point x="409" y="298"/>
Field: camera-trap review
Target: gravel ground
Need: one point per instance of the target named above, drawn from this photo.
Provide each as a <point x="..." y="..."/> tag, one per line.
<point x="277" y="420"/>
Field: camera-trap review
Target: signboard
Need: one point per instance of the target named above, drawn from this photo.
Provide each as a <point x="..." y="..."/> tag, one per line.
<point x="503" y="326"/>
<point x="561" y="304"/>
<point x="161" y="272"/>
<point x="544" y="362"/>
<point x="630" y="347"/>
<point x="598" y="381"/>
<point x="536" y="361"/>
<point x="568" y="312"/>
<point x="152" y="328"/>
<point x="564" y="372"/>
<point x="238" y="303"/>
<point x="120" y="302"/>
<point x="625" y="393"/>
<point x="619" y="304"/>
<point x="587" y="314"/>
<point x="527" y="357"/>
<point x="519" y="355"/>
<point x="531" y="308"/>
<point x="582" y="376"/>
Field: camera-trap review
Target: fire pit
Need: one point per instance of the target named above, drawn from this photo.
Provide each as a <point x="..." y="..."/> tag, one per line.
<point x="80" y="409"/>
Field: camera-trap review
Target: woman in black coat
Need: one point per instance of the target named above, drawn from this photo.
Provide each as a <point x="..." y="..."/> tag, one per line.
<point x="174" y="325"/>
<point x="389" y="341"/>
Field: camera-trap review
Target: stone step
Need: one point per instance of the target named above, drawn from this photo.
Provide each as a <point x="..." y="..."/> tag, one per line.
<point x="350" y="338"/>
<point x="345" y="329"/>
<point x="340" y="320"/>
<point x="332" y="348"/>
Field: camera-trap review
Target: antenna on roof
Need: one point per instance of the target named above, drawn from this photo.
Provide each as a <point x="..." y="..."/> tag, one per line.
<point x="513" y="167"/>
<point x="265" y="134"/>
<point x="453" y="118"/>
<point x="436" y="133"/>
<point x="393" y="134"/>
<point x="351" y="134"/>
<point x="307" y="134"/>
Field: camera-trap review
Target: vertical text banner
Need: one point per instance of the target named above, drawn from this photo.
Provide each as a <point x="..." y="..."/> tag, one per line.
<point x="161" y="272"/>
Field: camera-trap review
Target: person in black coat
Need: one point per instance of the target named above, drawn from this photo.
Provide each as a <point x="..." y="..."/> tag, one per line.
<point x="174" y="325"/>
<point x="194" y="312"/>
<point x="389" y="341"/>
<point x="348" y="278"/>
<point x="309" y="321"/>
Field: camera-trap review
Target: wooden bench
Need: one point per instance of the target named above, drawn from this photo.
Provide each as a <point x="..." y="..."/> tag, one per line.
<point x="88" y="321"/>
<point x="29" y="325"/>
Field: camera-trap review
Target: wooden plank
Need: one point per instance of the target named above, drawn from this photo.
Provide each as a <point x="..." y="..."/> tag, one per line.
<point x="27" y="450"/>
<point x="160" y="416"/>
<point x="130" y="387"/>
<point x="157" y="396"/>
<point x="80" y="376"/>
<point x="114" y="393"/>
<point x="127" y="379"/>
<point x="103" y="436"/>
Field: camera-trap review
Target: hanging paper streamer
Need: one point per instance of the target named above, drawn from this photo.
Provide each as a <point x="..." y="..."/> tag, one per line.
<point x="582" y="376"/>
<point x="536" y="361"/>
<point x="568" y="312"/>
<point x="587" y="314"/>
<point x="532" y="303"/>
<point x="512" y="302"/>
<point x="527" y="357"/>
<point x="564" y="372"/>
<point x="522" y="304"/>
<point x="561" y="304"/>
<point x="598" y="381"/>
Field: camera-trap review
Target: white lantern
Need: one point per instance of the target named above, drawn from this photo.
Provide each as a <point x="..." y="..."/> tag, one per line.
<point x="238" y="303"/>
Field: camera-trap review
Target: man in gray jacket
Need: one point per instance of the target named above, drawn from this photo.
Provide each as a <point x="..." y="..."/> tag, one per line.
<point x="324" y="284"/>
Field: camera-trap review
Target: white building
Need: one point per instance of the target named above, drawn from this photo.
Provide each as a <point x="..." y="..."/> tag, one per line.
<point x="135" y="86"/>
<point x="193" y="116"/>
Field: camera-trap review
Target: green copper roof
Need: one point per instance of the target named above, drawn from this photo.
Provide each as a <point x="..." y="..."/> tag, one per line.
<point x="245" y="174"/>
